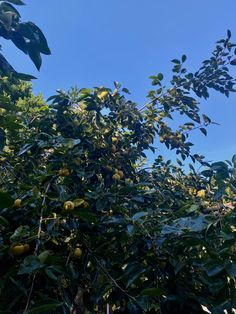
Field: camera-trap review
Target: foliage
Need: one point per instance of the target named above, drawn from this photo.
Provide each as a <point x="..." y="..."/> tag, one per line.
<point x="84" y="223"/>
<point x="25" y="35"/>
<point x="86" y="226"/>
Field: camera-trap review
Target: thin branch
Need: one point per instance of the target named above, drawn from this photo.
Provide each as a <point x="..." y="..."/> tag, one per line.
<point x="111" y="278"/>
<point x="37" y="247"/>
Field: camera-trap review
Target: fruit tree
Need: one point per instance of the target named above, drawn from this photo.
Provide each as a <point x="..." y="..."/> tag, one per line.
<point x="87" y="227"/>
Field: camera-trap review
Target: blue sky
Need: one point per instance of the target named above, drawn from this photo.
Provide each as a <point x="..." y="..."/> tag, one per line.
<point x="96" y="42"/>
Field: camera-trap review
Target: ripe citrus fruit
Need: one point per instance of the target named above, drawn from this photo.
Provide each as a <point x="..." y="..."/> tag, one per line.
<point x="17" y="203"/>
<point x="26" y="247"/>
<point x="103" y="94"/>
<point x="77" y="252"/>
<point x="114" y="139"/>
<point x="78" y="161"/>
<point x="121" y="174"/>
<point x="69" y="206"/>
<point x="64" y="172"/>
<point x="17" y="249"/>
<point x="201" y="194"/>
<point x="116" y="177"/>
<point x="85" y="204"/>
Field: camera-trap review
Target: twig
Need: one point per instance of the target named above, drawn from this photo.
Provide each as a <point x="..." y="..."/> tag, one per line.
<point x="37" y="247"/>
<point x="111" y="278"/>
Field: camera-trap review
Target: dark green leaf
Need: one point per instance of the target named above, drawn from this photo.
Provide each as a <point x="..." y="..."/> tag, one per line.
<point x="17" y="2"/>
<point x="152" y="292"/>
<point x="7" y="7"/>
<point x="204" y="131"/>
<point x="231" y="269"/>
<point x="160" y="76"/>
<point x="35" y="57"/>
<point x="184" y="58"/>
<point x="44" y="307"/>
<point x="29" y="265"/>
<point x="19" y="41"/>
<point x="20" y="233"/>
<point x="233" y="62"/>
<point x="25" y="77"/>
<point x="5" y="200"/>
<point x="214" y="269"/>
<point x="2" y="139"/>
<point x="176" y="61"/>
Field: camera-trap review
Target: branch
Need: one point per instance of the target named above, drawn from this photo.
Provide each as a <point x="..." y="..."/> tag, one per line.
<point x="37" y="247"/>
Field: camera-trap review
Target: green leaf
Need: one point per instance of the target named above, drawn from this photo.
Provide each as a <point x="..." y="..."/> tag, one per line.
<point x="192" y="209"/>
<point x="50" y="274"/>
<point x="206" y="119"/>
<point x="2" y="139"/>
<point x="204" y="131"/>
<point x="19" y="41"/>
<point x="43" y="256"/>
<point x="160" y="76"/>
<point x="214" y="268"/>
<point x="233" y="62"/>
<point x="44" y="307"/>
<point x="134" y="276"/>
<point x="152" y="292"/>
<point x="5" y="200"/>
<point x="184" y="58"/>
<point x="35" y="57"/>
<point x="234" y="159"/>
<point x="4" y="221"/>
<point x="30" y="264"/>
<point x="175" y="61"/>
<point x="20" y="233"/>
<point x="86" y="215"/>
<point x="39" y="39"/>
<point x="7" y="7"/>
<point x="139" y="216"/>
<point x="231" y="269"/>
<point x="17" y="2"/>
<point x="25" y="77"/>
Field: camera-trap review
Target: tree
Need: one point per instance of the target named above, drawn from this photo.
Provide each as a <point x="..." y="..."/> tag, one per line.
<point x="87" y="227"/>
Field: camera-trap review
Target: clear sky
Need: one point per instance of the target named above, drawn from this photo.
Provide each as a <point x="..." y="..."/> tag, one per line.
<point x="96" y="42"/>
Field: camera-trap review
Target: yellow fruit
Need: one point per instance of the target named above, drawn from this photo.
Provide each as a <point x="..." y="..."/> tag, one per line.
<point x="77" y="252"/>
<point x="192" y="191"/>
<point x="108" y="168"/>
<point x="103" y="145"/>
<point x="17" y="249"/>
<point x="103" y="94"/>
<point x="201" y="193"/>
<point x="85" y="204"/>
<point x="116" y="177"/>
<point x="128" y="181"/>
<point x="114" y="139"/>
<point x="162" y="139"/>
<point x="69" y="206"/>
<point x="121" y="174"/>
<point x="17" y="203"/>
<point x="106" y="131"/>
<point x="113" y="148"/>
<point x="78" y="161"/>
<point x="26" y="247"/>
<point x="64" y="172"/>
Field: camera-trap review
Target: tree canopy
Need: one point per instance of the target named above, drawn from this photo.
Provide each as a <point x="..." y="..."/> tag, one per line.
<point x="86" y="226"/>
